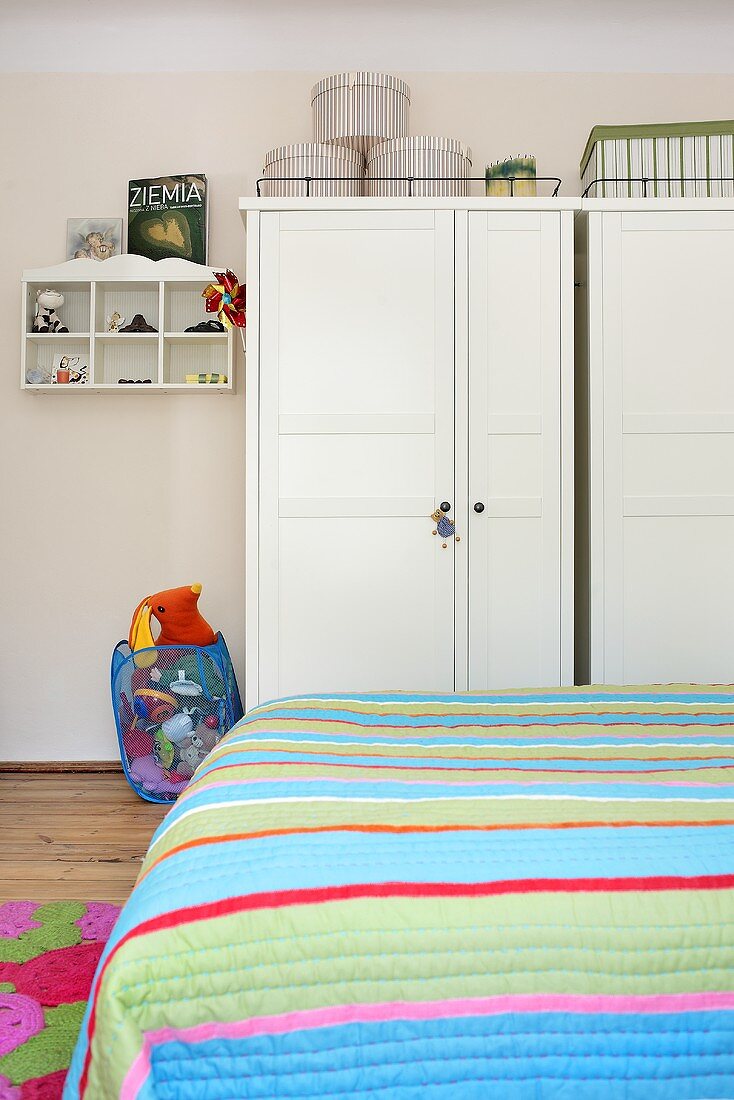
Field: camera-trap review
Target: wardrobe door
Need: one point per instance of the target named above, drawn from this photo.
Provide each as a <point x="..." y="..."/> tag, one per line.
<point x="356" y="451"/>
<point x="662" y="446"/>
<point x="515" y="458"/>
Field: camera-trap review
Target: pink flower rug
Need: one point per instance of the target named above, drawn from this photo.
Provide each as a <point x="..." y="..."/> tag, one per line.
<point x="48" y="955"/>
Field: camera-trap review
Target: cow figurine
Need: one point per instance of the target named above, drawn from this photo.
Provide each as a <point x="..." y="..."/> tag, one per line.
<point x="47" y="319"/>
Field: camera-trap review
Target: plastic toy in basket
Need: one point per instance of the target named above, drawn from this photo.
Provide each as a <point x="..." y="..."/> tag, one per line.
<point x="172" y="702"/>
<point x="164" y="734"/>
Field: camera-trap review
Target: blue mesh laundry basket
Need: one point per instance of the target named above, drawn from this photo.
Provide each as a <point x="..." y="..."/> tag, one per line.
<point x="172" y="705"/>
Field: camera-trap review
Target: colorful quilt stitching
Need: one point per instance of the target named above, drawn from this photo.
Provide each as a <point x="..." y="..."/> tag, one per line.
<point x="512" y="894"/>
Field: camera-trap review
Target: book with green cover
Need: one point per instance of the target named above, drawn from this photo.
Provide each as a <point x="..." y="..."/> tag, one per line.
<point x="167" y="216"/>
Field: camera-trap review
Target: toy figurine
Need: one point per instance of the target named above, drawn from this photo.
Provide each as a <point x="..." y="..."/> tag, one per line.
<point x="163" y="750"/>
<point x="178" y="727"/>
<point x="192" y="749"/>
<point x="206" y="326"/>
<point x="47" y="319"/>
<point x="115" y="321"/>
<point x="444" y="525"/>
<point x="204" y="739"/>
<point x="152" y="705"/>
<point x="180" y="621"/>
<point x="189" y="758"/>
<point x="37" y="376"/>
<point x="182" y="686"/>
<point x="138" y="324"/>
<point x="147" y="773"/>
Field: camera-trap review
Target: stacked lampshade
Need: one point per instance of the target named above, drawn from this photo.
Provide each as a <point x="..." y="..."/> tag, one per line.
<point x="361" y="146"/>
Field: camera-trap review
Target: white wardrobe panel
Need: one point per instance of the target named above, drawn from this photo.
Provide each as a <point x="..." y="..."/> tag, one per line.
<point x="355" y="318"/>
<point x="678" y="599"/>
<point x="515" y="636"/>
<point x="675" y="301"/>
<point x="673" y="464"/>
<point x="356" y="450"/>
<point x="354" y="613"/>
<point x="515" y="463"/>
<point x="357" y="465"/>
<point x="662" y="445"/>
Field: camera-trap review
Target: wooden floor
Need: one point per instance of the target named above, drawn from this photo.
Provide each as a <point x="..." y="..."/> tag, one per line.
<point x="72" y="836"/>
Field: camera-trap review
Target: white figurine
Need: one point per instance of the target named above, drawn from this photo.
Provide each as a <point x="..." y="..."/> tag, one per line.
<point x="114" y="322"/>
<point x="46" y="319"/>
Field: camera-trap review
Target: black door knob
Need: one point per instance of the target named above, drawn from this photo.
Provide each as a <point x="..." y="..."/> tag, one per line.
<point x="479" y="507"/>
<point x="445" y="506"/>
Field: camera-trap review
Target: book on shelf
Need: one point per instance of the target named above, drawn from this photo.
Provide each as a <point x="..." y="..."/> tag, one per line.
<point x="168" y="217"/>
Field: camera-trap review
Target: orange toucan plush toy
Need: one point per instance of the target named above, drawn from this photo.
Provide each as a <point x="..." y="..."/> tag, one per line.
<point x="179" y="619"/>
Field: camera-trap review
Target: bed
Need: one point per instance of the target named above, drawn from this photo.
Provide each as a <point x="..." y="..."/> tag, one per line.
<point x="517" y="895"/>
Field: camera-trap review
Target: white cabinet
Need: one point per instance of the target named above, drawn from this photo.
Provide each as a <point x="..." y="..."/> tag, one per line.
<point x="399" y="357"/>
<point x="660" y="583"/>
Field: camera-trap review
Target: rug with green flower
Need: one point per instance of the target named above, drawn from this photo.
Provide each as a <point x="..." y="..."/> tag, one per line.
<point x="48" y="955"/>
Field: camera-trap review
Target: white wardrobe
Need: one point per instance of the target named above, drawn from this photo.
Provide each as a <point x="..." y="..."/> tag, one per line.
<point x="403" y="355"/>
<point x="656" y="551"/>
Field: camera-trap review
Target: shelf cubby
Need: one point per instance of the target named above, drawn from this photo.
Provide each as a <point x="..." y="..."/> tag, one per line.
<point x="131" y="357"/>
<point x="183" y="306"/>
<point x="39" y="356"/>
<point x="76" y="310"/>
<point x="195" y="353"/>
<point x="127" y="299"/>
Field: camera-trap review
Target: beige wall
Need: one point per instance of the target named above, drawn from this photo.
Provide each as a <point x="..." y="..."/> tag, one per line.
<point x="108" y="497"/>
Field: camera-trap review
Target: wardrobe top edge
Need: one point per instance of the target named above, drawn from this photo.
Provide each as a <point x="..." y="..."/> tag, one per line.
<point x="251" y="203"/>
<point x="590" y="206"/>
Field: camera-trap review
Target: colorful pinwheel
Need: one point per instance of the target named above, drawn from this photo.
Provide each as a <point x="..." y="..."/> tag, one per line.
<point x="226" y="298"/>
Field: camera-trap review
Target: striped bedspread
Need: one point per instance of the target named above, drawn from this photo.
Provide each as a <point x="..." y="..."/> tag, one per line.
<point x="515" y="896"/>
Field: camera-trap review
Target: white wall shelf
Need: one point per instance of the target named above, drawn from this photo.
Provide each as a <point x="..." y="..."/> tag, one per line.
<point x="43" y="337"/>
<point x="184" y="337"/>
<point x="168" y="293"/>
<point x="174" y="387"/>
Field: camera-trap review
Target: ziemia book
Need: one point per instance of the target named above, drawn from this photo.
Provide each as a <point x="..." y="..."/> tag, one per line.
<point x="168" y="217"/>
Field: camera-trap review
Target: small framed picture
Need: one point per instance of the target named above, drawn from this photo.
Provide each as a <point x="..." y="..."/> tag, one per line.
<point x="93" y="238"/>
<point x="69" y="370"/>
